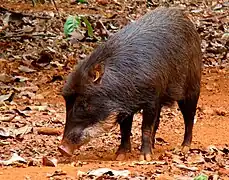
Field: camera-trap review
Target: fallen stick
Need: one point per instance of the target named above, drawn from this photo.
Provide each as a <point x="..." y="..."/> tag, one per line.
<point x="20" y="15"/>
<point x="54" y="2"/>
<point x="26" y="36"/>
<point x="49" y="131"/>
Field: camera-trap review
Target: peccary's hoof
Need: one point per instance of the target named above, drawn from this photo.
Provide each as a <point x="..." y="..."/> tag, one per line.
<point x="181" y="149"/>
<point x="121" y="157"/>
<point x="185" y="149"/>
<point x="147" y="157"/>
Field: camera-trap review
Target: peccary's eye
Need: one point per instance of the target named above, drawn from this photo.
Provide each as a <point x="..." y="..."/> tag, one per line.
<point x="89" y="108"/>
<point x="81" y="104"/>
<point x="85" y="106"/>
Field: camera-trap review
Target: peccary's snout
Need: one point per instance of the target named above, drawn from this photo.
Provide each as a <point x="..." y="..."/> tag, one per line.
<point x="66" y="148"/>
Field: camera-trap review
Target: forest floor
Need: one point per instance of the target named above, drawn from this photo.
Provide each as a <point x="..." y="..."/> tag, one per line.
<point x="32" y="111"/>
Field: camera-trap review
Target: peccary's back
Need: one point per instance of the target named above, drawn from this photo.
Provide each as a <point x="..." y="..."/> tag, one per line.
<point x="160" y="51"/>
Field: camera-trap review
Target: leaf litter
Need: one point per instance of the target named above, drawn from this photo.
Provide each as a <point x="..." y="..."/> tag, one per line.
<point x="36" y="57"/>
<point x="14" y="159"/>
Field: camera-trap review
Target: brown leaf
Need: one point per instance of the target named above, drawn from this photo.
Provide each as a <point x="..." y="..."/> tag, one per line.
<point x="8" y="97"/>
<point x="5" y="78"/>
<point x="4" y="132"/>
<point x="15" y="158"/>
<point x="195" y="159"/>
<point x="57" y="173"/>
<point x="102" y="2"/>
<point x="25" y="69"/>
<point x="223" y="171"/>
<point x="164" y="177"/>
<point x="46" y="161"/>
<point x="182" y="166"/>
<point x="23" y="130"/>
<point x="7" y="118"/>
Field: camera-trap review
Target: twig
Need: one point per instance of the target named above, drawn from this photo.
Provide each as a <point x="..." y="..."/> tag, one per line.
<point x="49" y="131"/>
<point x="27" y="36"/>
<point x="56" y="7"/>
<point x="104" y="27"/>
<point x="19" y="15"/>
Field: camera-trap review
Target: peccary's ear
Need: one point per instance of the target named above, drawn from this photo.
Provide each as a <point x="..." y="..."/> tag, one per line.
<point x="96" y="73"/>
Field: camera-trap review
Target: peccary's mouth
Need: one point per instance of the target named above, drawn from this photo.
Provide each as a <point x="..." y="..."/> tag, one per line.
<point x="67" y="148"/>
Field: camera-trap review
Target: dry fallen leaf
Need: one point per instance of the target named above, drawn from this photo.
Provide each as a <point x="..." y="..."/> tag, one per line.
<point x="57" y="173"/>
<point x="10" y="132"/>
<point x="46" y="161"/>
<point x="5" y="78"/>
<point x="212" y="148"/>
<point x="7" y="97"/>
<point x="4" y="132"/>
<point x="7" y="118"/>
<point x="177" y="177"/>
<point x="27" y="88"/>
<point x="176" y="159"/>
<point x="39" y="108"/>
<point x="76" y="36"/>
<point x="149" y="162"/>
<point x="115" y="173"/>
<point x="25" y="69"/>
<point x="182" y="166"/>
<point x="102" y="2"/>
<point x="196" y="159"/>
<point x="160" y="141"/>
<point x="3" y="143"/>
<point x="20" y="78"/>
<point x="23" y="130"/>
<point x="15" y="158"/>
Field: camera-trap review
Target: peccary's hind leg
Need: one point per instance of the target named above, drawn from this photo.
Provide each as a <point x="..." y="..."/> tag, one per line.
<point x="188" y="109"/>
<point x="149" y="126"/>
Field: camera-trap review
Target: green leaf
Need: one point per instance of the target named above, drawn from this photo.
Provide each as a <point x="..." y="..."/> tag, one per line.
<point x="89" y="28"/>
<point x="201" y="177"/>
<point x="72" y="23"/>
<point x="82" y="1"/>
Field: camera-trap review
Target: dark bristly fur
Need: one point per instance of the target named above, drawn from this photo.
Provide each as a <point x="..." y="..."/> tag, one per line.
<point x="155" y="60"/>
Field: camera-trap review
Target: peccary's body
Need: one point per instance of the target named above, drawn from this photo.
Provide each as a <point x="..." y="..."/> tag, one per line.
<point x="147" y="64"/>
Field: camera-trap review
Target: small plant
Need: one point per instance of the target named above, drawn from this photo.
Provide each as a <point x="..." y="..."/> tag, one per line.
<point x="81" y="1"/>
<point x="74" y="22"/>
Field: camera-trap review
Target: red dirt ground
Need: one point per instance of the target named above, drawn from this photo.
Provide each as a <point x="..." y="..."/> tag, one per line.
<point x="212" y="128"/>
